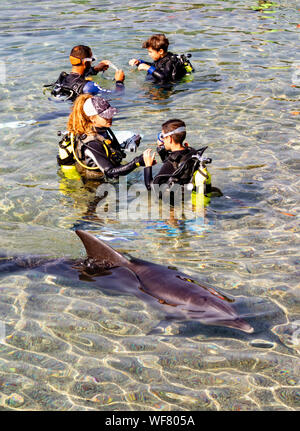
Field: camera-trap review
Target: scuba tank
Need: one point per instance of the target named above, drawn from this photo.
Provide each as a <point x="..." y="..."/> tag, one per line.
<point x="192" y="164"/>
<point x="65" y="152"/>
<point x="184" y="60"/>
<point x="192" y="171"/>
<point x="71" y="155"/>
<point x="201" y="184"/>
<point x="65" y="157"/>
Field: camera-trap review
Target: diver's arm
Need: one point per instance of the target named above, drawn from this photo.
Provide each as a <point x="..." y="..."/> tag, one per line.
<point x="100" y="67"/>
<point x="99" y="159"/>
<point x="92" y="71"/>
<point x="163" y="153"/>
<point x="115" y="172"/>
<point x="95" y="89"/>
<point x="137" y="62"/>
<point x="164" y="74"/>
<point x="145" y="62"/>
<point x="96" y="153"/>
<point x="161" y="70"/>
<point x="149" y="160"/>
<point x="148" y="179"/>
<point x="119" y="78"/>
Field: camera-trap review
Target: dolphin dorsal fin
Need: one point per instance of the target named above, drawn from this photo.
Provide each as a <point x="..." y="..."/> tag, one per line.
<point x="101" y="252"/>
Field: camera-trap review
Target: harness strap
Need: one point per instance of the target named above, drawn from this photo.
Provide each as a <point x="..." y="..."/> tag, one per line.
<point x="70" y="89"/>
<point x="105" y="142"/>
<point x="76" y="158"/>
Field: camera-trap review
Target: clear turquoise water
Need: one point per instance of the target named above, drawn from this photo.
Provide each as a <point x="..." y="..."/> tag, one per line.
<point x="68" y="346"/>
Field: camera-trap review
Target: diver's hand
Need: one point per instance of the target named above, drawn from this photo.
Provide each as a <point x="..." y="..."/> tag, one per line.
<point x="134" y="62"/>
<point x="102" y="66"/>
<point x="149" y="158"/>
<point x="119" y="75"/>
<point x="143" y="66"/>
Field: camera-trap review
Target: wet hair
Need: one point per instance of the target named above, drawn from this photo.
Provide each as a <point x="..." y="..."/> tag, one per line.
<point x="78" y="122"/>
<point x="81" y="51"/>
<point x="171" y="125"/>
<point x="157" y="42"/>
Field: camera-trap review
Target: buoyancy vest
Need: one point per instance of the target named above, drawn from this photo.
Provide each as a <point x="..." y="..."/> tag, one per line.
<point x="68" y="85"/>
<point x="179" y="67"/>
<point x="115" y="155"/>
<point x="72" y="148"/>
<point x="173" y="62"/>
<point x="188" y="169"/>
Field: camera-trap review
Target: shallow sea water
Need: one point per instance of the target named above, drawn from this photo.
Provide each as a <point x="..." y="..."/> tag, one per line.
<point x="70" y="344"/>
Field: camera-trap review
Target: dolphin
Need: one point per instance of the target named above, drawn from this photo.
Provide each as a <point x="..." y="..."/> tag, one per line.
<point x="191" y="298"/>
<point x="179" y="295"/>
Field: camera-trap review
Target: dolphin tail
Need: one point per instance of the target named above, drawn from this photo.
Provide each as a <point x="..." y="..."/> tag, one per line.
<point x="100" y="252"/>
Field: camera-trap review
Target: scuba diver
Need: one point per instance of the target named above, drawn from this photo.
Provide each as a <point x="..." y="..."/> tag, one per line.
<point x="68" y="86"/>
<point x="167" y="67"/>
<point x="181" y="164"/>
<point x="91" y="146"/>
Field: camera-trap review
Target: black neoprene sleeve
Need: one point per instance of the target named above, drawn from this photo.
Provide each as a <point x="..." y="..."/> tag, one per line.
<point x="123" y="169"/>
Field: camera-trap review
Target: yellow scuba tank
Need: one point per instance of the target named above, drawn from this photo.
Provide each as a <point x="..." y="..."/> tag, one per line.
<point x="186" y="62"/>
<point x="188" y="67"/>
<point x="200" y="182"/>
<point x="193" y="173"/>
<point x="65" y="155"/>
<point x="70" y="172"/>
<point x="66" y="159"/>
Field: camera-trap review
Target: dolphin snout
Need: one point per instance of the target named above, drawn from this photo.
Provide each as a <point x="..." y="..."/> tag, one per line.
<point x="242" y="325"/>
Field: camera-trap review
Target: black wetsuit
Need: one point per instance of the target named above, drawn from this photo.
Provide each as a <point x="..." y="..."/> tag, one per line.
<point x="170" y="160"/>
<point x="166" y="69"/>
<point x="107" y="156"/>
<point x="71" y="85"/>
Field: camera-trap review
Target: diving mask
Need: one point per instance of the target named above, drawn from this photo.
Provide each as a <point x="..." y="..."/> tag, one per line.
<point x="162" y="135"/>
<point x="75" y="61"/>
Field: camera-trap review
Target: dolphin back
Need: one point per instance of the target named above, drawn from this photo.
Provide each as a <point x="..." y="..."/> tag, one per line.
<point x="101" y="253"/>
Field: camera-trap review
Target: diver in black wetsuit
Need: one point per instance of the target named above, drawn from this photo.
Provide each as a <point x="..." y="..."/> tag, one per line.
<point x="71" y="85"/>
<point x="171" y="150"/>
<point x="167" y="67"/>
<point x="182" y="165"/>
<point x="93" y="147"/>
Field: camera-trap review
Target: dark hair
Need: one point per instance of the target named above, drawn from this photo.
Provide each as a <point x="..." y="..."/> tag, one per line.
<point x="81" y="51"/>
<point x="171" y="125"/>
<point x="157" y="42"/>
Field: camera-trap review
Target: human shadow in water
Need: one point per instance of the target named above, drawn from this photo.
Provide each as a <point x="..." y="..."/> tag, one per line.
<point x="163" y="91"/>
